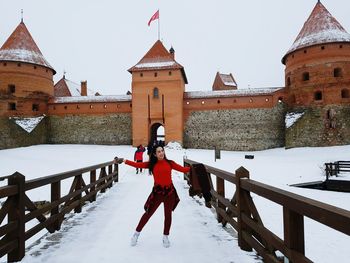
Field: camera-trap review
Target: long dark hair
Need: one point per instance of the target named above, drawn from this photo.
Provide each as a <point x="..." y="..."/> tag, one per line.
<point x="153" y="158"/>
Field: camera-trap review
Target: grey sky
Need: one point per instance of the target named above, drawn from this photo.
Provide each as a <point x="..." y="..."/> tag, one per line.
<point x="98" y="41"/>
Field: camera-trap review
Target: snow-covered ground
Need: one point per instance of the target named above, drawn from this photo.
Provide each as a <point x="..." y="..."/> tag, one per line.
<point x="103" y="234"/>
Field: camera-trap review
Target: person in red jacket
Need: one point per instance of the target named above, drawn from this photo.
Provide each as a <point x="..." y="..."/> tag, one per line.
<point x="138" y="156"/>
<point x="163" y="190"/>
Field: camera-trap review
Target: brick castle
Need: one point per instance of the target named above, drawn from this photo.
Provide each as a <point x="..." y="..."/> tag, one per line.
<point x="313" y="109"/>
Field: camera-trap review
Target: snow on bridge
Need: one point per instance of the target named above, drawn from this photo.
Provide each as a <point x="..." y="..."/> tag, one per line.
<point x="102" y="232"/>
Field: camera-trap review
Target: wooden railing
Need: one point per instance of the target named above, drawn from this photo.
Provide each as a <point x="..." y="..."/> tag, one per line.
<point x="336" y="167"/>
<point x="20" y="210"/>
<point x="241" y="213"/>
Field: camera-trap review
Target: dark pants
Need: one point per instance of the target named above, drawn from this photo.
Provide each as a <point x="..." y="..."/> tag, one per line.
<point x="137" y="169"/>
<point x="168" y="206"/>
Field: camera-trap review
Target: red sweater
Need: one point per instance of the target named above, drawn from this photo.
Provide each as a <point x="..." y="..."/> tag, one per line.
<point x="161" y="170"/>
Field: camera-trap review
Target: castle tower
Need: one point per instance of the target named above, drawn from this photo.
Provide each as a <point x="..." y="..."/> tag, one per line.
<point x="26" y="78"/>
<point x="317" y="69"/>
<point x="317" y="79"/>
<point x="158" y="85"/>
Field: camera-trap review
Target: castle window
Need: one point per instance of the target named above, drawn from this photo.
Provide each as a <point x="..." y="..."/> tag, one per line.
<point x="318" y="95"/>
<point x="47" y="70"/>
<point x="34" y="67"/>
<point x="19" y="64"/>
<point x="306" y="76"/>
<point x="234" y="101"/>
<point x="141" y="75"/>
<point x="250" y="100"/>
<point x="11" y="88"/>
<point x="54" y="107"/>
<point x="5" y="64"/>
<point x="91" y="106"/>
<point x="305" y="51"/>
<point x="340" y="46"/>
<point x="11" y="106"/>
<point x="65" y="107"/>
<point x="345" y="94"/>
<point x="155" y="93"/>
<point x="187" y="102"/>
<point x="202" y="101"/>
<point x="170" y="73"/>
<point x="280" y="99"/>
<point x="337" y="72"/>
<point x="218" y="101"/>
<point x="118" y="105"/>
<point x="35" y="107"/>
<point x="78" y="107"/>
<point x="155" y="74"/>
<point x="105" y="106"/>
<point x="322" y="47"/>
<point x="130" y="105"/>
<point x="288" y="82"/>
<point x="267" y="99"/>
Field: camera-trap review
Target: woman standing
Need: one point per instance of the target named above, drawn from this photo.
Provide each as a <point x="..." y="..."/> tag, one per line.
<point x="163" y="190"/>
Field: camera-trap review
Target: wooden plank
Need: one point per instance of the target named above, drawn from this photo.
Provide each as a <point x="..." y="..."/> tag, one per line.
<point x="8" y="247"/>
<point x="5" y="208"/>
<point x="93" y="180"/>
<point x="8" y="228"/>
<point x="293" y="230"/>
<point x="326" y="214"/>
<point x="220" y="189"/>
<point x="224" y="215"/>
<point x="8" y="190"/>
<point x="268" y="258"/>
<point x="226" y="203"/>
<point x="35" y="183"/>
<point x="55" y="195"/>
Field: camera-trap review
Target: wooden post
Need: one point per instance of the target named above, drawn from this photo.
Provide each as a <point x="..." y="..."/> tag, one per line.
<point x="116" y="170"/>
<point x="242" y="208"/>
<point x="293" y="231"/>
<point x="16" y="213"/>
<point x="92" y="180"/>
<point x="55" y="195"/>
<point x="78" y="186"/>
<point x="220" y="189"/>
<point x="103" y="174"/>
<point x="110" y="168"/>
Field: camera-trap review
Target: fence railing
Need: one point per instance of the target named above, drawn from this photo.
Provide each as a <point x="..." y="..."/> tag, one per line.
<point x="241" y="213"/>
<point x="336" y="168"/>
<point x="20" y="209"/>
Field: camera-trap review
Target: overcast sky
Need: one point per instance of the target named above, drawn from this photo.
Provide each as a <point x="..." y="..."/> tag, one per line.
<point x="99" y="41"/>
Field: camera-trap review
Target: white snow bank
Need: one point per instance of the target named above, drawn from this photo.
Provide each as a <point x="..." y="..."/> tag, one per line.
<point x="292" y="117"/>
<point x="28" y="124"/>
<point x="174" y="146"/>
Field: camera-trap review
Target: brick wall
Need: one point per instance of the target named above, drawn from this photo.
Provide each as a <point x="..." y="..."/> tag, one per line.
<point x="109" y="129"/>
<point x="320" y="126"/>
<point x="12" y="135"/>
<point x="238" y="129"/>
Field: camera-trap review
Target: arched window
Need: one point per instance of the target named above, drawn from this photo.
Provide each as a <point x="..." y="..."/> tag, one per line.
<point x="306" y="76"/>
<point x="337" y="72"/>
<point x="318" y="95"/>
<point x="155" y="93"/>
<point x="345" y="94"/>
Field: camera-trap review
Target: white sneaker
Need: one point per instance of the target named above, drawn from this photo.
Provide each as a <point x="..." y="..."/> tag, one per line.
<point x="134" y="239"/>
<point x="166" y="242"/>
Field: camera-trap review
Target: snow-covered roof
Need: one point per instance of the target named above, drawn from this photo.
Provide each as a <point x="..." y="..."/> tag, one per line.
<point x="156" y="64"/>
<point x="229" y="93"/>
<point x="87" y="99"/>
<point x="228" y="80"/>
<point x="21" y="47"/>
<point x="320" y="28"/>
<point x="65" y="87"/>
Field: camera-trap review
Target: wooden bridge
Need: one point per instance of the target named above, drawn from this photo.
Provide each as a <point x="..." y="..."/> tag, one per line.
<point x="240" y="211"/>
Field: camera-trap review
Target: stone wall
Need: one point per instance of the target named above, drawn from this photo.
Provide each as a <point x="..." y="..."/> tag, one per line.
<point x="236" y="129"/>
<point x="12" y="135"/>
<point x="320" y="126"/>
<point x="109" y="129"/>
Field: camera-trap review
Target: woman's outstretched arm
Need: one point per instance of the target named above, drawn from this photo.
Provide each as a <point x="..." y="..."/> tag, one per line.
<point x="137" y="165"/>
<point x="180" y="168"/>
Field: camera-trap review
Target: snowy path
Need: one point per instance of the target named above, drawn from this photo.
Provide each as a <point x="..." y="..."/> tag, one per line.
<point x="102" y="232"/>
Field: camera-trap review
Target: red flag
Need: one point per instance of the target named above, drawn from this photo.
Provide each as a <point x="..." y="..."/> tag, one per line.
<point x="154" y="17"/>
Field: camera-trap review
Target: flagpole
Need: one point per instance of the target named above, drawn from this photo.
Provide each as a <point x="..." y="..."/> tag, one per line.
<point x="158" y="25"/>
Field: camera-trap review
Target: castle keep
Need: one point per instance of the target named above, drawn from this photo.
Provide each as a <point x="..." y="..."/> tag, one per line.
<point x="313" y="109"/>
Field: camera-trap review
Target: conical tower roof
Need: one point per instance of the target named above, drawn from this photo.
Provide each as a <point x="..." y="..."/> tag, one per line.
<point x="158" y="58"/>
<point x="21" y="47"/>
<point x="320" y="28"/>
